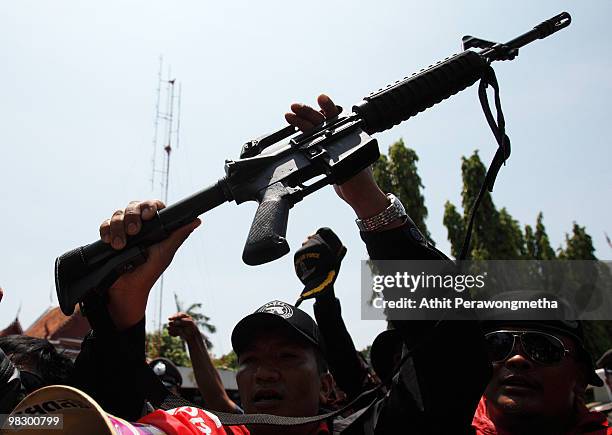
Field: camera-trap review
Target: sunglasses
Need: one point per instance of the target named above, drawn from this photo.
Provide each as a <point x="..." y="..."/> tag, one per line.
<point x="539" y="347"/>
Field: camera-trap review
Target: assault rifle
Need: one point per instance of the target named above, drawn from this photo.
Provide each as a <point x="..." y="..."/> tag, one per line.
<point x="274" y="169"/>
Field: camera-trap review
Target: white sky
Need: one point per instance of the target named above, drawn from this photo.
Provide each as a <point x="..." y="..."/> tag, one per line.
<point x="77" y="100"/>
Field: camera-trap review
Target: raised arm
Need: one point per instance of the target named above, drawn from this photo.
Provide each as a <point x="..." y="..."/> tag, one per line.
<point x="111" y="365"/>
<point x="206" y="375"/>
<point x="420" y="394"/>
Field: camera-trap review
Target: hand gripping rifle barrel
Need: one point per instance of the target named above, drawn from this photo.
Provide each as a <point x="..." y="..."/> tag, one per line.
<point x="275" y="170"/>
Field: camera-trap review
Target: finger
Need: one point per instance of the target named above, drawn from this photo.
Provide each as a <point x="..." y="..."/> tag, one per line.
<point x="298" y="122"/>
<point x="175" y="321"/>
<point x="1" y="293"/>
<point x="173" y="332"/>
<point x="327" y="106"/>
<point x="150" y="207"/>
<point x="105" y="231"/>
<point x="307" y="113"/>
<point x="174" y="316"/>
<point x="131" y="217"/>
<point x="310" y="236"/>
<point x="117" y="231"/>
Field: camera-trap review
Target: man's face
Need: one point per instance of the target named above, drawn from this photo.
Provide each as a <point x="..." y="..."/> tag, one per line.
<point x="521" y="387"/>
<point x="278" y="375"/>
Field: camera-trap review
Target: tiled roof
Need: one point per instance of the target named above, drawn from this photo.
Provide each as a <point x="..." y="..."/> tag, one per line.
<point x="53" y="324"/>
<point x="13" y="329"/>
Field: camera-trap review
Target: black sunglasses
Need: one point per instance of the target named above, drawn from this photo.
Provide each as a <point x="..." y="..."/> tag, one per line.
<point x="539" y="347"/>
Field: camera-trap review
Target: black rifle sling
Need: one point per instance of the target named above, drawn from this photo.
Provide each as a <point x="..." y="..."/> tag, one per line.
<point x="501" y="155"/>
<point x="159" y="396"/>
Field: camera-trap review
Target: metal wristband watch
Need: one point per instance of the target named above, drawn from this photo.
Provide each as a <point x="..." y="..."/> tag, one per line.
<point x="394" y="211"/>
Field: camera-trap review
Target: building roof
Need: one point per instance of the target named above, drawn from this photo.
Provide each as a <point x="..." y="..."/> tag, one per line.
<point x="13" y="329"/>
<point x="53" y="324"/>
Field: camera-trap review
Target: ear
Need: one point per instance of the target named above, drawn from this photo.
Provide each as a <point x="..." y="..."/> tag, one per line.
<point x="327" y="388"/>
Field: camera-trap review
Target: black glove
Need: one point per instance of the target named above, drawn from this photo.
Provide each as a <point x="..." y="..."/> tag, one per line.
<point x="317" y="263"/>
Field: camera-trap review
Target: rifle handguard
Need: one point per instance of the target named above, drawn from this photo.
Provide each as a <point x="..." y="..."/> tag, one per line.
<point x="402" y="100"/>
<point x="266" y="240"/>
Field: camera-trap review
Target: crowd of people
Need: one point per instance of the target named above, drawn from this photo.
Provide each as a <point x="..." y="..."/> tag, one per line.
<point x="305" y="376"/>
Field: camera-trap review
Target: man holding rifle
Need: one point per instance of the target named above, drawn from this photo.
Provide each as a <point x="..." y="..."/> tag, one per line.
<point x="416" y="402"/>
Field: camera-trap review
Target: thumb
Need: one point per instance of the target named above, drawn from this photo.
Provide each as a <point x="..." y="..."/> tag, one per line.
<point x="164" y="251"/>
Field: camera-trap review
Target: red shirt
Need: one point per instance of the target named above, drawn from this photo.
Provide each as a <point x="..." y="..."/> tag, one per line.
<point x="589" y="423"/>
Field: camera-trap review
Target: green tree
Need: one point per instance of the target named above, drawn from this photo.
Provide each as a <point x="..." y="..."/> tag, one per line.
<point x="510" y="237"/>
<point x="198" y="317"/>
<point x="174" y="348"/>
<point x="167" y="346"/>
<point x="227" y="361"/>
<point x="495" y="234"/>
<point x="579" y="246"/>
<point x="530" y="242"/>
<point x="397" y="173"/>
<point x="543" y="250"/>
<point x="455" y="227"/>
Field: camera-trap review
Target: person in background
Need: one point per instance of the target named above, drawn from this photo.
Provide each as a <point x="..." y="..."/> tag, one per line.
<point x="168" y="373"/>
<point x="540" y="373"/>
<point x="317" y="264"/>
<point x="206" y="375"/>
<point x="37" y="360"/>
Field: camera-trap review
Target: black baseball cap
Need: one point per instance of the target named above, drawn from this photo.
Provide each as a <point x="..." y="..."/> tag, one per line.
<point x="281" y="314"/>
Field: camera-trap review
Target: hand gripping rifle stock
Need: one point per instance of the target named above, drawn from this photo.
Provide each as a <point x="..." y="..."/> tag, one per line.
<point x="280" y="169"/>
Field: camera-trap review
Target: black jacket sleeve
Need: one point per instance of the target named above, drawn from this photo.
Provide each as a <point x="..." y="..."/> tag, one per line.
<point x="110" y="365"/>
<point x="341" y="355"/>
<point x="439" y="387"/>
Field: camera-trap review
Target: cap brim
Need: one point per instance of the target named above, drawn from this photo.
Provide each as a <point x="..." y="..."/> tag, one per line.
<point x="246" y="329"/>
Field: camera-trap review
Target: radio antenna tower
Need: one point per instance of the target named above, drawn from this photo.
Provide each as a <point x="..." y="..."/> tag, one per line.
<point x="167" y="125"/>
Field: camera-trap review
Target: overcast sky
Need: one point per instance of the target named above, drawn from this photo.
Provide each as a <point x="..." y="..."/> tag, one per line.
<point x="77" y="104"/>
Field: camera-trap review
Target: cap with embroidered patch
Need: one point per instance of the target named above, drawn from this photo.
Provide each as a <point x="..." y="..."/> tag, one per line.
<point x="276" y="313"/>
